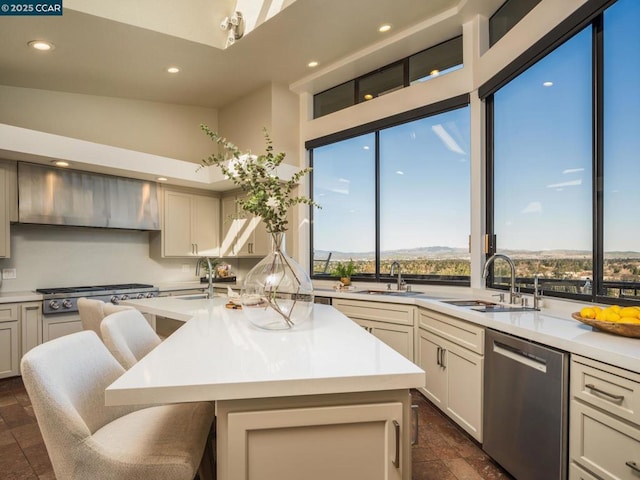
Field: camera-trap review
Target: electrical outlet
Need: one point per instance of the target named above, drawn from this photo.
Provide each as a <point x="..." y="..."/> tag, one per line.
<point x="8" y="273"/>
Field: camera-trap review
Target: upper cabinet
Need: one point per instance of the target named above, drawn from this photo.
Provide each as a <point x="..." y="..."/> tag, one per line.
<point x="190" y="227"/>
<point x="243" y="235"/>
<point x="4" y="216"/>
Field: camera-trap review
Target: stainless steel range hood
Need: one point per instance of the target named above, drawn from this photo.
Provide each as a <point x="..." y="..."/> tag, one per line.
<point x="55" y="196"/>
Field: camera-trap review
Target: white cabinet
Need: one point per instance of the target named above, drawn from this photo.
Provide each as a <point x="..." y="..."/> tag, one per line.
<point x="59" y="325"/>
<point x="4" y="216"/>
<point x="191" y="225"/>
<point x="243" y="235"/>
<point x="30" y="325"/>
<point x="328" y="438"/>
<point x="604" y="422"/>
<point x="450" y="351"/>
<point x="9" y="345"/>
<point x="390" y="322"/>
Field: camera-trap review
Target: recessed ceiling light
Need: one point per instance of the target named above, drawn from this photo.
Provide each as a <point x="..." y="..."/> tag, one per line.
<point x="162" y="179"/>
<point x="173" y="70"/>
<point x="384" y="28"/>
<point x="41" y="45"/>
<point x="312" y="64"/>
<point x="60" y="163"/>
<point x="547" y="84"/>
<point x="368" y="96"/>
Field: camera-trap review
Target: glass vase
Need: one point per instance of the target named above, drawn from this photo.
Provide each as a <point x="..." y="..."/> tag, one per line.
<point x="277" y="293"/>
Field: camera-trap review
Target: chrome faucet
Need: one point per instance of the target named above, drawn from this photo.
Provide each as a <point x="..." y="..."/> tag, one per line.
<point x="210" y="269"/>
<point x="537" y="292"/>
<point x="513" y="295"/>
<point x="393" y="271"/>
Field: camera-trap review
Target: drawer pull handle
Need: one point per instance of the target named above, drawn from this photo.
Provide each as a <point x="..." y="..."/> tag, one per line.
<point x="615" y="398"/>
<point x="414" y="412"/>
<point x="396" y="460"/>
<point x="633" y="466"/>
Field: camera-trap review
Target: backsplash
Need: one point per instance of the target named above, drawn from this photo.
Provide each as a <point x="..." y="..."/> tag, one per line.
<point x="48" y="256"/>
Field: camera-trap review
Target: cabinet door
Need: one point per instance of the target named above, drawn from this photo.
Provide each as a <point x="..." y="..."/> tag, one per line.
<point x="30" y="325"/>
<point x="398" y="337"/>
<point x="464" y="388"/>
<point x="177" y="225"/>
<point x="9" y="355"/>
<point x="430" y="351"/>
<point x="206" y="225"/>
<point x="4" y="217"/>
<point x="60" y="327"/>
<point x="345" y="442"/>
<point x="230" y="224"/>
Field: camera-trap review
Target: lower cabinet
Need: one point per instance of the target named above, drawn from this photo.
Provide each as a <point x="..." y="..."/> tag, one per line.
<point x="338" y="440"/>
<point x="55" y="326"/>
<point x="20" y="331"/>
<point x="604" y="422"/>
<point x="9" y="354"/>
<point x="390" y="322"/>
<point x="453" y="363"/>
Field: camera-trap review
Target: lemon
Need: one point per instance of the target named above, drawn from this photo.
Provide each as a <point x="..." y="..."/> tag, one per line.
<point x="612" y="316"/>
<point x="629" y="312"/>
<point x="615" y="308"/>
<point x="600" y="316"/>
<point x="588" y="312"/>
<point x="633" y="320"/>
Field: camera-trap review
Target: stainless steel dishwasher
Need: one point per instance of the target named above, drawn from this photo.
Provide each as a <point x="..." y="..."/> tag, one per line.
<point x="525" y="407"/>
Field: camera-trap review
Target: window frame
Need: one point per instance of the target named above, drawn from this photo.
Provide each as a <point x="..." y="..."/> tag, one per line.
<point x="590" y="15"/>
<point x="375" y="127"/>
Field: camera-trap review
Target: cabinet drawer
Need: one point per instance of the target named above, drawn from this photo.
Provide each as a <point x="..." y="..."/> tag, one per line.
<point x="602" y="444"/>
<point x="577" y="473"/>
<point x="612" y="389"/>
<point x="8" y="312"/>
<point x="381" y="312"/>
<point x="463" y="333"/>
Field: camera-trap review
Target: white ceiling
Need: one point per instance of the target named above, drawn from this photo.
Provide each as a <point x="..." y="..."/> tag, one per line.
<point x="100" y="56"/>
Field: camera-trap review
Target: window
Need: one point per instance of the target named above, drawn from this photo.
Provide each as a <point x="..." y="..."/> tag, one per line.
<point x="399" y="193"/>
<point x="621" y="167"/>
<point x="510" y="13"/>
<point x="563" y="175"/>
<point x="430" y="63"/>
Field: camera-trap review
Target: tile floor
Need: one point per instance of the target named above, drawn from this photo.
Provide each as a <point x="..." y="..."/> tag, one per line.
<point x="443" y="452"/>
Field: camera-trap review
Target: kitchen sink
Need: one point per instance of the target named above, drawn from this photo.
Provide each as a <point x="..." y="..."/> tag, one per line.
<point x="469" y="303"/>
<point x="504" y="308"/>
<point x="401" y="293"/>
<point x="193" y="297"/>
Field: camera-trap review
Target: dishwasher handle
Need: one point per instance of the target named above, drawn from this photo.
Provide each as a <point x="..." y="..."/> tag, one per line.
<point x="520" y="356"/>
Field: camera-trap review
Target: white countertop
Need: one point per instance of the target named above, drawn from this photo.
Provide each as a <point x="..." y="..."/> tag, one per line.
<point x="219" y="355"/>
<point x="550" y="326"/>
<point x="17" y="297"/>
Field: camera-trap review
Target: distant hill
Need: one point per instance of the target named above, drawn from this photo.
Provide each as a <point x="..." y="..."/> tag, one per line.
<point x="442" y="253"/>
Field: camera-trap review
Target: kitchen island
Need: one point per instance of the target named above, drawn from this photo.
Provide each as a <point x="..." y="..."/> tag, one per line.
<point x="325" y="400"/>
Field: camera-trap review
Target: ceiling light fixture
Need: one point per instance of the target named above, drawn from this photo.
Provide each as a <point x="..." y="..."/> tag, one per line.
<point x="234" y="24"/>
<point x="162" y="179"/>
<point x="60" y="163"/>
<point x="312" y="64"/>
<point x="41" y="45"/>
<point x="173" y="70"/>
<point x="547" y="84"/>
<point x="384" y="28"/>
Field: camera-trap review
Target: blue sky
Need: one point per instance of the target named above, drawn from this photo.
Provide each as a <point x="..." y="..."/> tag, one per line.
<point x="543" y="155"/>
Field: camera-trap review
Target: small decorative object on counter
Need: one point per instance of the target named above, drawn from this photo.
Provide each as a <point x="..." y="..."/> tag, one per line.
<point x="345" y="270"/>
<point x="277" y="293"/>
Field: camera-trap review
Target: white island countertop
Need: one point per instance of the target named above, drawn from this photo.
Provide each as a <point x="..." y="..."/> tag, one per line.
<point x="219" y="355"/>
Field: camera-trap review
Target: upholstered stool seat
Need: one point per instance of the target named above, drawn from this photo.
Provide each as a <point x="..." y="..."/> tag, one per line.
<point x="66" y="380"/>
<point x="128" y="336"/>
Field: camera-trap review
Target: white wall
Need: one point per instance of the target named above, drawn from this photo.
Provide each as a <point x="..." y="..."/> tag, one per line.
<point x="162" y="129"/>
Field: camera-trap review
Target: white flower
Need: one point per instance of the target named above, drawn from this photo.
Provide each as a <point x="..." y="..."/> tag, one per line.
<point x="272" y="202"/>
